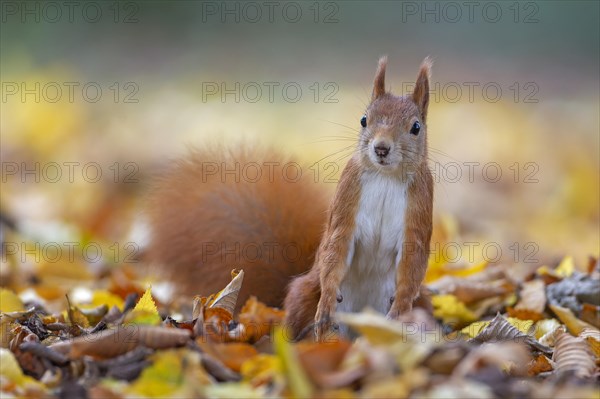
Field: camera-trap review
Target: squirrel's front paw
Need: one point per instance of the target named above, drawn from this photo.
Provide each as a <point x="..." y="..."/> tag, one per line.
<point x="323" y="326"/>
<point x="398" y="309"/>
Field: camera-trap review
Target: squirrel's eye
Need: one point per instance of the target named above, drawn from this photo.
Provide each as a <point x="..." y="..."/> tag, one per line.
<point x="363" y="121"/>
<point x="416" y="128"/>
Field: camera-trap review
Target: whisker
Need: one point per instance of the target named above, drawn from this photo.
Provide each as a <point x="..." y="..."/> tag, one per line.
<point x="335" y="153"/>
<point x="342" y="125"/>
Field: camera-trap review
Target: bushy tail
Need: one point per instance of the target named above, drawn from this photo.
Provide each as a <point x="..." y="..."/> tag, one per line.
<point x="218" y="209"/>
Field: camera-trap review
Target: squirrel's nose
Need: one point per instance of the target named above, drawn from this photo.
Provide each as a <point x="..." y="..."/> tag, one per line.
<point x="382" y="150"/>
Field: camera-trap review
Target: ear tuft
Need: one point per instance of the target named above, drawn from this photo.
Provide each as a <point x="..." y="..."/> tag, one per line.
<point x="421" y="93"/>
<point x="379" y="83"/>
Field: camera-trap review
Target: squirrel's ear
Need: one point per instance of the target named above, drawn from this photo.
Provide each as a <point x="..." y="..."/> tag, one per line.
<point x="379" y="83"/>
<point x="421" y="93"/>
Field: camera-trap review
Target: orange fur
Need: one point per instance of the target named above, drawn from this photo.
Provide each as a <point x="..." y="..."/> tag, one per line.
<point x="203" y="225"/>
<point x="197" y="219"/>
<point x="330" y="266"/>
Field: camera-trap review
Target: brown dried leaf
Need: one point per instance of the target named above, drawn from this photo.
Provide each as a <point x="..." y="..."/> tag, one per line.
<point x="232" y="355"/>
<point x="111" y="343"/>
<point x="445" y="358"/>
<point x="321" y="361"/>
<point x="471" y="291"/>
<point x="538" y="365"/>
<point x="549" y="339"/>
<point x="524" y="314"/>
<point x="500" y="329"/>
<point x="255" y="321"/>
<point x="227" y="298"/>
<point x="505" y="355"/>
<point x="591" y="314"/>
<point x="572" y="355"/>
<point x="533" y="297"/>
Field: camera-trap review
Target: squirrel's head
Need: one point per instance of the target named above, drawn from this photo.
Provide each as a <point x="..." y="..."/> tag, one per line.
<point x="394" y="130"/>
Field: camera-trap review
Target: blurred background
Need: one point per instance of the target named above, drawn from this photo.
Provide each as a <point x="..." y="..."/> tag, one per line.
<point x="99" y="97"/>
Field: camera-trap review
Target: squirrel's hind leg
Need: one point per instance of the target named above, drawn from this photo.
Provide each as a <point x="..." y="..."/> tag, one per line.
<point x="301" y="304"/>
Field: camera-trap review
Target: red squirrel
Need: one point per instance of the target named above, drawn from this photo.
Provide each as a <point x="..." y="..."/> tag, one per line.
<point x="376" y="243"/>
<point x="368" y="248"/>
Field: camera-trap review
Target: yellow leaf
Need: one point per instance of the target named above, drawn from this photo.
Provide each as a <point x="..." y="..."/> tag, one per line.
<point x="474" y="329"/>
<point x="479" y="267"/>
<point x="145" y="311"/>
<point x="563" y="270"/>
<point x="592" y="337"/>
<point x="261" y="368"/>
<point x="146" y="303"/>
<point x="376" y="328"/>
<point x="299" y="384"/>
<point x="11" y="371"/>
<point x="75" y="316"/>
<point x="437" y="269"/>
<point x="565" y="315"/>
<point x="58" y="272"/>
<point x="162" y="378"/>
<point x="9" y="301"/>
<point x="103" y="297"/>
<point x="451" y="310"/>
<point x="522" y="325"/>
<point x="235" y="390"/>
<point x="543" y="327"/>
<point x="566" y="267"/>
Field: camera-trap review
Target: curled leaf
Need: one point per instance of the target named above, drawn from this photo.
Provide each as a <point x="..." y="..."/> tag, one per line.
<point x="549" y="339"/>
<point x="572" y="355"/>
<point x="227" y="298"/>
<point x="501" y="330"/>
<point x="532" y="301"/>
<point x="592" y="337"/>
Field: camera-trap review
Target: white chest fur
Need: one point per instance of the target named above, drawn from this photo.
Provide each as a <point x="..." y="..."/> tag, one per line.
<point x="376" y="248"/>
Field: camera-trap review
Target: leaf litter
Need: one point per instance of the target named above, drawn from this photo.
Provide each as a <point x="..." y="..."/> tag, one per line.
<point x="491" y="335"/>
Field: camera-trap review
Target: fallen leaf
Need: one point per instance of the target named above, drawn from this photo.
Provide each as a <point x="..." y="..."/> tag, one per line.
<point x="145" y="311"/>
<point x="532" y="301"/>
<point x="233" y="354"/>
<point x="227" y="298"/>
<point x="500" y="330"/>
<point x="111" y="343"/>
<point x="540" y="364"/>
<point x="452" y="311"/>
<point x="322" y="359"/>
<point x="592" y="337"/>
<point x="506" y="356"/>
<point x="255" y="321"/>
<point x="299" y="384"/>
<point x="572" y="355"/>
<point x="262" y="369"/>
<point x="545" y="326"/>
<point x="565" y="315"/>
<point x="167" y="375"/>
<point x="10" y="302"/>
